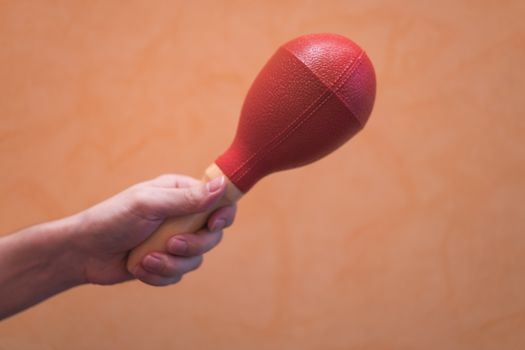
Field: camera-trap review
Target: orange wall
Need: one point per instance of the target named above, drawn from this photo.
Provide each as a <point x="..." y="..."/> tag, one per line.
<point x="409" y="237"/>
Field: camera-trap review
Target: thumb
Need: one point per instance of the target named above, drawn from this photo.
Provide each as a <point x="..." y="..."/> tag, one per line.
<point x="189" y="200"/>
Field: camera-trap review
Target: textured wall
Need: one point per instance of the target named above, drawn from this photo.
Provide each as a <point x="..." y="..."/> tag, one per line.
<point x="412" y="236"/>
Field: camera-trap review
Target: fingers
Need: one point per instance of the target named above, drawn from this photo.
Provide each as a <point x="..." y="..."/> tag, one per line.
<point x="155" y="280"/>
<point x="193" y="244"/>
<point x="222" y="218"/>
<point x="184" y="253"/>
<point x="164" y="201"/>
<point x="161" y="269"/>
<point x="169" y="266"/>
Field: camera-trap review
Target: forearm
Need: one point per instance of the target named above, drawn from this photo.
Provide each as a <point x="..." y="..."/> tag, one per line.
<point x="37" y="263"/>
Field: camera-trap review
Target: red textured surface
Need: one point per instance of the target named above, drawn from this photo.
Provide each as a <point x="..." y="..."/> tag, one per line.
<point x="314" y="94"/>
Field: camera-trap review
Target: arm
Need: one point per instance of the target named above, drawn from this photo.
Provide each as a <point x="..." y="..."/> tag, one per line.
<point x="92" y="246"/>
<point x="36" y="263"/>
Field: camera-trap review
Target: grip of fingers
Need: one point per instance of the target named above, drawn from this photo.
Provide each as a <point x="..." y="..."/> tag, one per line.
<point x="157" y="241"/>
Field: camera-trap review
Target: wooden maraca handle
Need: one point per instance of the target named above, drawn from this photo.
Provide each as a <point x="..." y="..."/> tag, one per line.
<point x="183" y="224"/>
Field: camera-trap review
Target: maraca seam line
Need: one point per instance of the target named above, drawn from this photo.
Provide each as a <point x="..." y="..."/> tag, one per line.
<point x="342" y="99"/>
<point x="291" y="128"/>
<point x="234" y="173"/>
<point x="299" y="120"/>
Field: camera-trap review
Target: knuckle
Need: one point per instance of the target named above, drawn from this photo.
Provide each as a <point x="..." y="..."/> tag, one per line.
<point x="173" y="269"/>
<point x="219" y="239"/>
<point x="227" y="214"/>
<point x="194" y="198"/>
<point x="139" y="197"/>
<point x="198" y="262"/>
<point x="152" y="281"/>
<point x="162" y="283"/>
<point x="195" y="249"/>
<point x="234" y="213"/>
<point x="175" y="279"/>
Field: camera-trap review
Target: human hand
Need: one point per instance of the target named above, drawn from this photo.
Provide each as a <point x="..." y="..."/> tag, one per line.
<point x="108" y="231"/>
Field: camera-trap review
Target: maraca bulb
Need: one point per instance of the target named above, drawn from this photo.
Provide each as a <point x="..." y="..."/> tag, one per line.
<point x="313" y="95"/>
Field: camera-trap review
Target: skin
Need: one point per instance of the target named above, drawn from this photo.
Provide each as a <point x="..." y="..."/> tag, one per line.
<point x="91" y="247"/>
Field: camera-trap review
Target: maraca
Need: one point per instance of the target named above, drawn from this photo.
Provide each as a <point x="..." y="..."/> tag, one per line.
<point x="313" y="95"/>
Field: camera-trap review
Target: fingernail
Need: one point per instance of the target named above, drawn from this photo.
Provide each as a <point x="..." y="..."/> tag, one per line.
<point x="178" y="246"/>
<point x="219" y="224"/>
<point x="215" y="184"/>
<point x="153" y="262"/>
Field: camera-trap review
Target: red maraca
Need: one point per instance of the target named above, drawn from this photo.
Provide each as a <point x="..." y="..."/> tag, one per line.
<point x="314" y="94"/>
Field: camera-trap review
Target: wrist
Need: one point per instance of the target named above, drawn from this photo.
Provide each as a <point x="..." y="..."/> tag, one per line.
<point x="55" y="253"/>
<point x="69" y="258"/>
